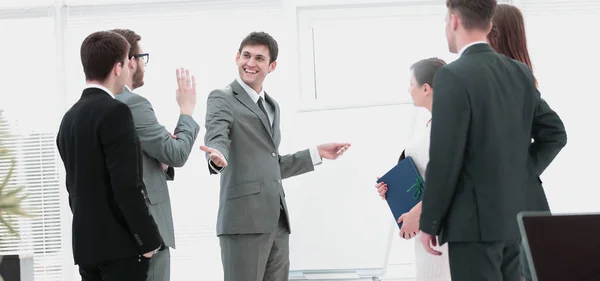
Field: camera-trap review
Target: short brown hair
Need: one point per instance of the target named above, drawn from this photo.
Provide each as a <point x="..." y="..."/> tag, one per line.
<point x="99" y="53"/>
<point x="261" y="39"/>
<point x="425" y="69"/>
<point x="508" y="36"/>
<point x="132" y="38"/>
<point x="475" y="14"/>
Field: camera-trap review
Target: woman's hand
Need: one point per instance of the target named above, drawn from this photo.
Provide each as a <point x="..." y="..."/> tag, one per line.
<point x="381" y="189"/>
<point x="410" y="224"/>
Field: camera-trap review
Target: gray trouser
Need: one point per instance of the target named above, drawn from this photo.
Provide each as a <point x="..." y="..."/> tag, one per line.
<point x="160" y="266"/>
<point x="257" y="257"/>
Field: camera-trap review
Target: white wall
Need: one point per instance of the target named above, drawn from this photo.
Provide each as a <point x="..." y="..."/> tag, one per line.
<point x="361" y="60"/>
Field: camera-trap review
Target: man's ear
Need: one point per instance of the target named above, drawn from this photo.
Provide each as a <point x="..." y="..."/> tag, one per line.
<point x="272" y="66"/>
<point x="132" y="64"/>
<point x="237" y="57"/>
<point x="490" y="27"/>
<point x="117" y="68"/>
<point x="454" y="21"/>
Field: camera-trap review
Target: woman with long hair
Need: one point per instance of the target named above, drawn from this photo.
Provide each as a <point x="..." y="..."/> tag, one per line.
<point x="429" y="267"/>
<point x="508" y="37"/>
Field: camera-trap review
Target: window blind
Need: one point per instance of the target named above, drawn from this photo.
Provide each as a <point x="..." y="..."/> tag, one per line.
<point x="29" y="113"/>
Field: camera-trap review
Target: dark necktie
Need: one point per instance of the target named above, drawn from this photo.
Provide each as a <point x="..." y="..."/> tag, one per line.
<point x="262" y="108"/>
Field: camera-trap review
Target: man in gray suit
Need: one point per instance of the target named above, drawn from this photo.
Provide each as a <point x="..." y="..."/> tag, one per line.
<point x="162" y="151"/>
<point x="242" y="140"/>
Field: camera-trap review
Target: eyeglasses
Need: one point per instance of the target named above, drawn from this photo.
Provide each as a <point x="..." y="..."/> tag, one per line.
<point x="145" y="57"/>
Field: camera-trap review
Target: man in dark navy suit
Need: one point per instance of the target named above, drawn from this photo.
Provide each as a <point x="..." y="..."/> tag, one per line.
<point x="483" y="164"/>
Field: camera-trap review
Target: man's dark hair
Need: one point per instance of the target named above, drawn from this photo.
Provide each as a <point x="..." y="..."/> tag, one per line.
<point x="475" y="14"/>
<point x="99" y="53"/>
<point x="261" y="39"/>
<point x="132" y="38"/>
<point x="424" y="70"/>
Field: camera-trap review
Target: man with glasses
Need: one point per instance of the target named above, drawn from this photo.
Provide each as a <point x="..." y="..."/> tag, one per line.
<point x="162" y="151"/>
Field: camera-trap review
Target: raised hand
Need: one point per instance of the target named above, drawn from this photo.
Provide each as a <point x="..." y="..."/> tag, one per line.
<point x="186" y="91"/>
<point x="215" y="156"/>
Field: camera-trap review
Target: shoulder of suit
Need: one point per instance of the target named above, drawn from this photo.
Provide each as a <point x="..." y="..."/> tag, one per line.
<point x="520" y="64"/>
<point x="115" y="109"/>
<point x="223" y="92"/>
<point x="132" y="99"/>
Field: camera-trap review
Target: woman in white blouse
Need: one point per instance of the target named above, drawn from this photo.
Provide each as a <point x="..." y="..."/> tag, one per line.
<point x="429" y="267"/>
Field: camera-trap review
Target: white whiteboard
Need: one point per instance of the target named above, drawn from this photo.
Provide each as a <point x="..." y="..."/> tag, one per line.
<point x="338" y="222"/>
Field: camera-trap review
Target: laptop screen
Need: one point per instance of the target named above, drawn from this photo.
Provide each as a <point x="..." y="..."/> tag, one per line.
<point x="564" y="247"/>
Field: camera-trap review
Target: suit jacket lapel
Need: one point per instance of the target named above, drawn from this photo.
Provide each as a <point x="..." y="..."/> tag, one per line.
<point x="245" y="99"/>
<point x="277" y="118"/>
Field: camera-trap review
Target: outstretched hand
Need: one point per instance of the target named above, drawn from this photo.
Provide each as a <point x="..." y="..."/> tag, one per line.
<point x="332" y="151"/>
<point x="215" y="156"/>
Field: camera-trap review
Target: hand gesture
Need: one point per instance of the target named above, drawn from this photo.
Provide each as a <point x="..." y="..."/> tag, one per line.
<point x="410" y="225"/>
<point x="381" y="188"/>
<point x="215" y="156"/>
<point x="332" y="151"/>
<point x="148" y="255"/>
<point x="186" y="91"/>
<point x="429" y="242"/>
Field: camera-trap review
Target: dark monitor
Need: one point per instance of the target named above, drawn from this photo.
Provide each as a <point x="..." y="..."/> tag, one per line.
<point x="561" y="246"/>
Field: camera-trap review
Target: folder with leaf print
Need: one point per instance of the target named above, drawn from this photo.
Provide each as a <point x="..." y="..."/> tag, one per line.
<point x="405" y="187"/>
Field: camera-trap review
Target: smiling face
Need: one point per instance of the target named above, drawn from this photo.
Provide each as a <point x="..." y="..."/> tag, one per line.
<point x="254" y="64"/>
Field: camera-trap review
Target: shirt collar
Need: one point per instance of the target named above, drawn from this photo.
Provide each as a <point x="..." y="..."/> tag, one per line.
<point x="251" y="92"/>
<point x="128" y="89"/>
<point x="97" y="86"/>
<point x="469" y="45"/>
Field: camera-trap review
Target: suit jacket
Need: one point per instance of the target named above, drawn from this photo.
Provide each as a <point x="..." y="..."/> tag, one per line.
<point x="483" y="167"/>
<point x="159" y="147"/>
<point x="103" y="162"/>
<point x="251" y="194"/>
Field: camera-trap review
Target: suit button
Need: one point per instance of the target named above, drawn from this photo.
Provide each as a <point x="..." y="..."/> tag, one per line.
<point x="273" y="154"/>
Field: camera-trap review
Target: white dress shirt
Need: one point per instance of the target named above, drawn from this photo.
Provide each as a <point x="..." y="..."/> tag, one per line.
<point x="469" y="45"/>
<point x="98" y="86"/>
<point x="314" y="152"/>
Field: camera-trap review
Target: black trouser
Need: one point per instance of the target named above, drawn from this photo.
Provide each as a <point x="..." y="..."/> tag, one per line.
<point x="126" y="269"/>
<point x="485" y="261"/>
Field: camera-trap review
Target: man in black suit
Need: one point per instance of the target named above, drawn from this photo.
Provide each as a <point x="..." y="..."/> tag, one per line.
<point x="114" y="235"/>
<point x="486" y="110"/>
